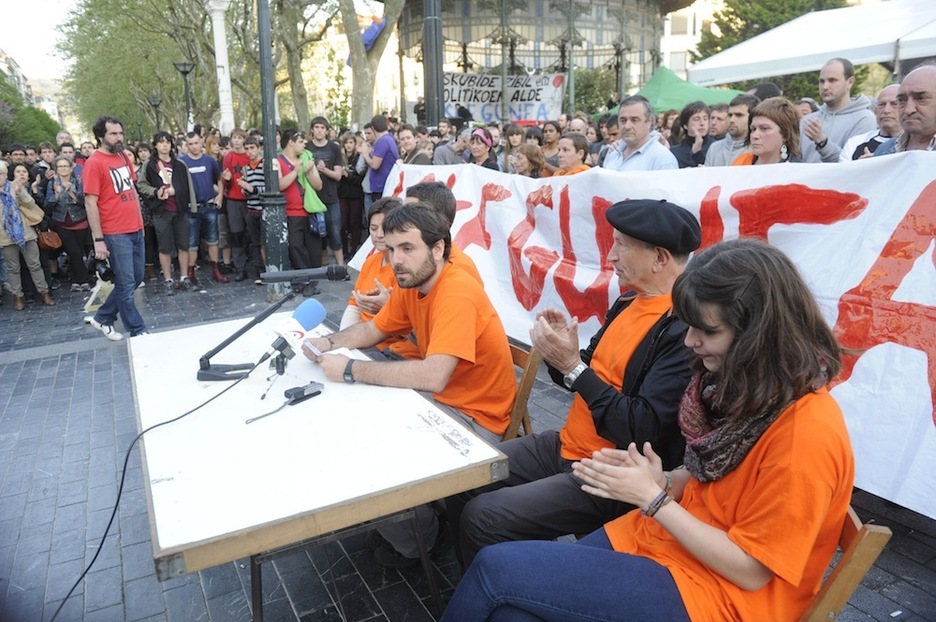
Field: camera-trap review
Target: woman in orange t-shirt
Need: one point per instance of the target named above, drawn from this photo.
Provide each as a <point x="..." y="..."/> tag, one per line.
<point x="747" y="527"/>
<point x="573" y="149"/>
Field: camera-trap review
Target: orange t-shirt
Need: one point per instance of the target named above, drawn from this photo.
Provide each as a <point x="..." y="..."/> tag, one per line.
<point x="458" y="258"/>
<point x="578" y="436"/>
<point x="784" y="505"/>
<point x="578" y="168"/>
<point x="744" y="159"/>
<point x="375" y="268"/>
<point x="458" y="319"/>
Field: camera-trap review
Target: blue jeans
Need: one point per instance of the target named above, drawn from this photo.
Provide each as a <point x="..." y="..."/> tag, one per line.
<point x="126" y="260"/>
<point x="521" y="581"/>
<point x="207" y="218"/>
<point x="333" y="225"/>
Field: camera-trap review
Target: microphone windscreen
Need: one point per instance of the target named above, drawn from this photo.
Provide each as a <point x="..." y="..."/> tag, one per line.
<point x="309" y="314"/>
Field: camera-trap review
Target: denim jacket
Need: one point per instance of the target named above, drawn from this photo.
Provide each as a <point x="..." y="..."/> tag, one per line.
<point x="59" y="203"/>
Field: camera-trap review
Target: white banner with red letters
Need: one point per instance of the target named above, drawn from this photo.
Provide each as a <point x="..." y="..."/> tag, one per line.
<point x="529" y="98"/>
<point x="863" y="233"/>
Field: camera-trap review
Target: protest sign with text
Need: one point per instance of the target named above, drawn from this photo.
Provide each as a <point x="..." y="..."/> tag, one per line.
<point x="530" y="98"/>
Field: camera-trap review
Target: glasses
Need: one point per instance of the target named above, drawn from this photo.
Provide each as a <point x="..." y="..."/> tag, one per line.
<point x="63" y="166"/>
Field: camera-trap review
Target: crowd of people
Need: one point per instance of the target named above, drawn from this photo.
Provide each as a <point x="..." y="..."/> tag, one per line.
<point x="702" y="451"/>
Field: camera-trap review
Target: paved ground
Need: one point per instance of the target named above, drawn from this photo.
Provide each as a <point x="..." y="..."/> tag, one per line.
<point x="67" y="418"/>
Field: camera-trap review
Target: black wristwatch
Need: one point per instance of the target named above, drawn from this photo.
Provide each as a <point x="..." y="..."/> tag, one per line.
<point x="348" y="374"/>
<point x="823" y="143"/>
<point x="98" y="239"/>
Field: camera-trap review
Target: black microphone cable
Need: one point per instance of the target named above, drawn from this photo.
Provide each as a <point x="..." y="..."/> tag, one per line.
<point x="123" y="476"/>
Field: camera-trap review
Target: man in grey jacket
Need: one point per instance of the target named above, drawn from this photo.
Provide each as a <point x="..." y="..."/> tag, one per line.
<point x="840" y="117"/>
<point x="723" y="152"/>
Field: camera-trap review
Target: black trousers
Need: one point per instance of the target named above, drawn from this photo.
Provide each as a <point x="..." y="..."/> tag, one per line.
<point x="540" y="500"/>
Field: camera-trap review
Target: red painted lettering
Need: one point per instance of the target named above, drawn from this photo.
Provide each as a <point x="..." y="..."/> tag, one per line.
<point x="867" y="314"/>
<point x="761" y="208"/>
<point x="529" y="288"/>
<point x="594" y="300"/>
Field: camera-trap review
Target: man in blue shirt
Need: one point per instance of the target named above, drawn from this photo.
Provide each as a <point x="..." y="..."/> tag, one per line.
<point x="640" y="148"/>
<point x="206" y="176"/>
<point x="382" y="157"/>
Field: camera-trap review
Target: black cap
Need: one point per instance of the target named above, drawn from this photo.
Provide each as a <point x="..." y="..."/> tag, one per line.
<point x="660" y="223"/>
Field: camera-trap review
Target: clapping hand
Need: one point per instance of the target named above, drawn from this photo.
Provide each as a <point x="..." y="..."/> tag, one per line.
<point x="622" y="475"/>
<point x="556" y="339"/>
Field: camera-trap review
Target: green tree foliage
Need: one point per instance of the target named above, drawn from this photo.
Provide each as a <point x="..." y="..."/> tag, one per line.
<point x="22" y="123"/>
<point x="123" y="53"/>
<point x="741" y="20"/>
<point x="593" y="87"/>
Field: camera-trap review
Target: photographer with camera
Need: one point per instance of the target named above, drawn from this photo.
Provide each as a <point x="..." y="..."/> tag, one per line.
<point x="113" y="210"/>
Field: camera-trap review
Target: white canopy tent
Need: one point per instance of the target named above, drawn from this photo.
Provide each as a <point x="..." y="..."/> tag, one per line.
<point x="890" y="32"/>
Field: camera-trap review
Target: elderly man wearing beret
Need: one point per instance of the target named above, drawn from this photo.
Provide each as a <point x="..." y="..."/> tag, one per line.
<point x="628" y="383"/>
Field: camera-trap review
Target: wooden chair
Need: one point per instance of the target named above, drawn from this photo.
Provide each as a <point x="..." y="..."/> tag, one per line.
<point x="861" y="544"/>
<point x="529" y="362"/>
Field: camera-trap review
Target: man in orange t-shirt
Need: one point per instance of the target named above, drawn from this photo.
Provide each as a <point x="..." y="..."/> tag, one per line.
<point x="464" y="360"/>
<point x="628" y="384"/>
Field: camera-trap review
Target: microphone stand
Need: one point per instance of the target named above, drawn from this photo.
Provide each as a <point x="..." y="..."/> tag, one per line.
<point x="214" y="372"/>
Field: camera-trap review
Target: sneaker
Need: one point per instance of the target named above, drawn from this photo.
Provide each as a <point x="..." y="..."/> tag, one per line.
<point x="185" y="284"/>
<point x="86" y="287"/>
<point x="54" y="282"/>
<point x="258" y="281"/>
<point x="109" y="331"/>
<point x="170" y="287"/>
<point x="76" y="287"/>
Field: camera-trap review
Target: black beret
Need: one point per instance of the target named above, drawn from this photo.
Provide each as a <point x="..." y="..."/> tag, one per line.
<point x="660" y="223"/>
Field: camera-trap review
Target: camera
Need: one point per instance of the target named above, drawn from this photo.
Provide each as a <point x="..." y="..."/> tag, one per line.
<point x="100" y="267"/>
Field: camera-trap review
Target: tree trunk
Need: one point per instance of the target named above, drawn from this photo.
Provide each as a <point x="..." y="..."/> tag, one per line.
<point x="364" y="63"/>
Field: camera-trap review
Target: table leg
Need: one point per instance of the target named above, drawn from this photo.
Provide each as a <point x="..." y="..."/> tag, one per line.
<point x="427" y="567"/>
<point x="256" y="588"/>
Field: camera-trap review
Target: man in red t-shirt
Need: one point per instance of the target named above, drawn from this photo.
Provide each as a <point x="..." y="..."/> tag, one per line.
<point x="116" y="225"/>
<point x="235" y="163"/>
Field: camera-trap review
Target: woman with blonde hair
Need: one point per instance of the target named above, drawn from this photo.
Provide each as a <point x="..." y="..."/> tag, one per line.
<point x="528" y="160"/>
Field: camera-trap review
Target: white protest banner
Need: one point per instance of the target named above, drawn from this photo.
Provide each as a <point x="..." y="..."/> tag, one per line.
<point x="863" y="234"/>
<point x="530" y="98"/>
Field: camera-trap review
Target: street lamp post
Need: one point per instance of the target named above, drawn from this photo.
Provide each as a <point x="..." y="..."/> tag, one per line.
<point x="185" y="68"/>
<point x="155" y="102"/>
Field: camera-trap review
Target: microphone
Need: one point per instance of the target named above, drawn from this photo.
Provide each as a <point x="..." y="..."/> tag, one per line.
<point x="292" y="330"/>
<point x="331" y="272"/>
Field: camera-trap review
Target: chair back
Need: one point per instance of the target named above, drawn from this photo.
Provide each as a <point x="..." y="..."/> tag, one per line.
<point x="528" y="361"/>
<point x="861" y="544"/>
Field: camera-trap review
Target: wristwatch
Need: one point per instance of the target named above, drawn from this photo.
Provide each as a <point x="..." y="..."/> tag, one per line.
<point x="348" y="374"/>
<point x="823" y="143"/>
<point x="569" y="379"/>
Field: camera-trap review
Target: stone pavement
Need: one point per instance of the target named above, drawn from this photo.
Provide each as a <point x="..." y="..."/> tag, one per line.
<point x="67" y="417"/>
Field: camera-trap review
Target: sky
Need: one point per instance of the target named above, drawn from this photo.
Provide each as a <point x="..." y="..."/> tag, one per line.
<point x="29" y="35"/>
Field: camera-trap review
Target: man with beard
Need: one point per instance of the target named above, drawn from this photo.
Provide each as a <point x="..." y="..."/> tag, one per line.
<point x="464" y="358"/>
<point x="116" y="226"/>
<point x="468" y="370"/>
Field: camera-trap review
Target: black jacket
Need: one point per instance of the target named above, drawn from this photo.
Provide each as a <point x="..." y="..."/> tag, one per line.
<point x="150" y="181"/>
<point x="654" y="381"/>
<point x="684" y="155"/>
